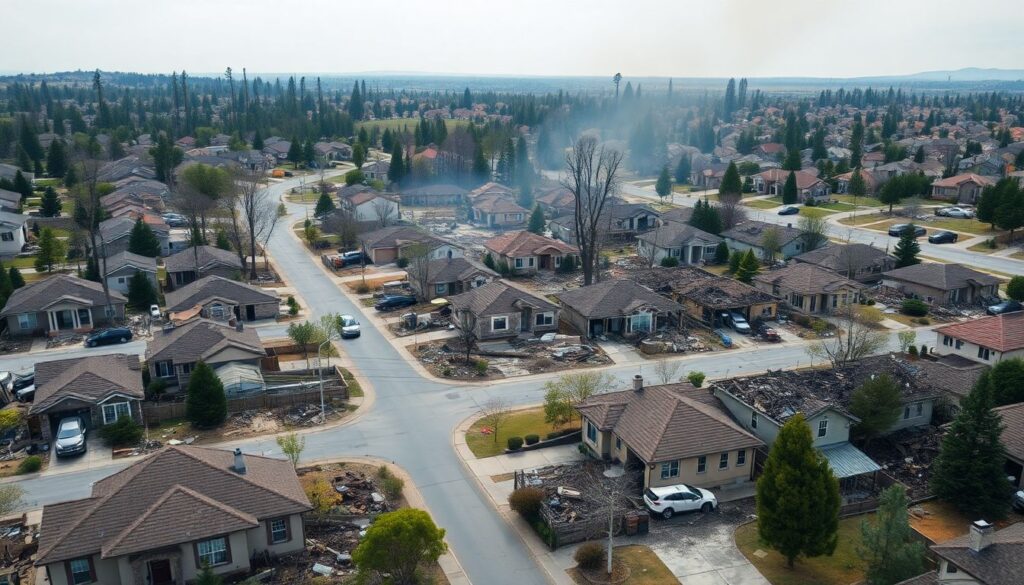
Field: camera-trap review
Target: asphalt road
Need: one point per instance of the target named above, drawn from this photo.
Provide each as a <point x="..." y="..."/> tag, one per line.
<point x="411" y="422"/>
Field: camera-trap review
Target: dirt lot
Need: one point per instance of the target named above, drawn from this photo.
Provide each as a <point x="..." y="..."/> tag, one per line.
<point x="940" y="521"/>
<point x="506" y="359"/>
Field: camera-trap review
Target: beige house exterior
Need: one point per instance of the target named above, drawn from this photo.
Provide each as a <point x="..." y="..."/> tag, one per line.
<point x="808" y="289"/>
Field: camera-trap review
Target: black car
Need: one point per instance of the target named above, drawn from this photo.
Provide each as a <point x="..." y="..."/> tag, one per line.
<point x="391" y="302"/>
<point x="109" y="336"/>
<point x="789" y="210"/>
<point x="354" y="257"/>
<point x="23" y="380"/>
<point x="943" y="237"/>
<point x="896" y="230"/>
<point x="1004" y="307"/>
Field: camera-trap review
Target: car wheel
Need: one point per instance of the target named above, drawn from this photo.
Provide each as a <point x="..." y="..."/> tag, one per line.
<point x="124" y="340"/>
<point x="667" y="513"/>
<point x="707" y="508"/>
<point x="90" y="344"/>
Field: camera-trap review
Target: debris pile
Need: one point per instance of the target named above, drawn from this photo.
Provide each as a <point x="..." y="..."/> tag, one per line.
<point x="578" y="492"/>
<point x="19" y="544"/>
<point x="674" y="341"/>
<point x="514" y="357"/>
<point x="907" y="455"/>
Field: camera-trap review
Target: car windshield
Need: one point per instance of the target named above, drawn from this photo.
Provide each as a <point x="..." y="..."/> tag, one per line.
<point x="347" y="321"/>
<point x="68" y="431"/>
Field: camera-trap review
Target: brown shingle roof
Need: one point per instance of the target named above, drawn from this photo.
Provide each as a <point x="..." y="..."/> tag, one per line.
<point x="524" y="243"/>
<point x="806" y="278"/>
<point x="1013" y="429"/>
<point x="396" y="236"/>
<point x="89" y="379"/>
<point x="492" y="203"/>
<point x="702" y="287"/>
<point x="752" y="233"/>
<point x="668" y="422"/>
<point x="443" y="270"/>
<point x="97" y="524"/>
<point x="213" y="287"/>
<point x="941" y="276"/>
<point x="1000" y="563"/>
<point x="614" y="298"/>
<point x="495" y="298"/>
<point x="843" y="257"/>
<point x="999" y="332"/>
<point x="41" y="294"/>
<point x="209" y="257"/>
<point x="673" y="235"/>
<point x="200" y="339"/>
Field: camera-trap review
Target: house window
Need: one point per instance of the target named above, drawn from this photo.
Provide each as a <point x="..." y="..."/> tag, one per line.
<point x="109" y="311"/>
<point x="440" y="289"/>
<point x="797" y="300"/>
<point x="85" y="317"/>
<point x="618" y="444"/>
<point x="278" y="531"/>
<point x="121" y="280"/>
<point x="7" y="236"/>
<point x="164" y="370"/>
<point x="639" y="322"/>
<point x="213" y="552"/>
<point x="723" y="461"/>
<point x="27" y="321"/>
<point x="906" y="412"/>
<point x="499" y="323"/>
<point x="114" y="411"/>
<point x="519" y="262"/>
<point x="558" y="261"/>
<point x="81" y="571"/>
<point x="185" y="368"/>
<point x="741" y="458"/>
<point x="753" y="420"/>
<point x="545" y="319"/>
<point x="919" y="409"/>
<point x="669" y="470"/>
<point x="822" y="427"/>
<point x="959" y="344"/>
<point x="591" y="432"/>
<point x="983" y="353"/>
<point x="947" y="340"/>
<point x="702" y="464"/>
<point x="530" y="260"/>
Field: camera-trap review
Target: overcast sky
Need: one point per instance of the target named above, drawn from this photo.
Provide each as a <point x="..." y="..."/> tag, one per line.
<point x="681" y="38"/>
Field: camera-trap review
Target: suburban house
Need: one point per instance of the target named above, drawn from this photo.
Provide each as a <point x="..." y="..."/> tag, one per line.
<point x="222" y="299"/>
<point x="174" y="351"/>
<point x="13" y="233"/>
<point x="557" y="201"/>
<point x="496" y="310"/>
<point x="808" y="185"/>
<point x="60" y="304"/>
<point x="391" y="243"/>
<point x="160" y="520"/>
<point x="10" y="201"/>
<point x="674" y="433"/>
<point x="490" y="188"/>
<point x="99" y="389"/>
<point x="704" y="296"/>
<point x="983" y="556"/>
<point x="677" y="240"/>
<point x="376" y="170"/>
<point x="121" y="267"/>
<point x="433" y="195"/>
<point x="943" y="284"/>
<point x="277" y="148"/>
<point x="963" y="188"/>
<point x="807" y="288"/>
<point x="498" y="211"/>
<point x="620" y="307"/>
<point x="115" y="233"/>
<point x="334" y="151"/>
<point x="1012" y="437"/>
<point x="751" y="235"/>
<point x="448" y="276"/>
<point x="987" y="340"/>
<point x="619" y="221"/>
<point x="369" y="206"/>
<point x="860" y="262"/>
<point x="873" y="181"/>
<point x="526" y="252"/>
<point x="10" y="171"/>
<point x="191" y="263"/>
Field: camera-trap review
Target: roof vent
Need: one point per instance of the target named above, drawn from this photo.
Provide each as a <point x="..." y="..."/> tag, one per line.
<point x="239" y="466"/>
<point x="638" y="383"/>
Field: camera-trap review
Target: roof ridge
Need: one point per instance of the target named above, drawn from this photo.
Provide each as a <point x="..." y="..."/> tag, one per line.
<point x="189" y="452"/>
<point x="710" y="412"/>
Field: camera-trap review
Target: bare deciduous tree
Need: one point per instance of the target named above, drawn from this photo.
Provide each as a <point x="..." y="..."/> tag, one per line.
<point x="771" y="242"/>
<point x="344" y="225"/>
<point x="383" y="208"/>
<point x="572" y="389"/>
<point x="730" y="211"/>
<point x="418" y="256"/>
<point x="666" y="370"/>
<point x="854" y="340"/>
<point x="813" y="231"/>
<point x="592" y="177"/>
<point x="608" y="494"/>
<point x="494" y="413"/>
<point x="89" y="211"/>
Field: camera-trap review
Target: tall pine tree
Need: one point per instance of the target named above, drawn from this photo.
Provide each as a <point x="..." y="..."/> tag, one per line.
<point x="143" y="241"/>
<point x="789" y="191"/>
<point x="907" y="248"/>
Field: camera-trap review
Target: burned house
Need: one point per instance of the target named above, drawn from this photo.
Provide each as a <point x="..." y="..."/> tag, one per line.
<point x="620" y="307"/>
<point x="705" y="296"/>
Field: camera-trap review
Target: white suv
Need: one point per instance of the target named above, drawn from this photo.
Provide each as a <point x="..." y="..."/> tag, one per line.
<point x="669" y="500"/>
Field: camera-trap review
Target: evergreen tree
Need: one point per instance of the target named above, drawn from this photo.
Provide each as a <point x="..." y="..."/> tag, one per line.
<point x="706" y="218"/>
<point x="208" y="577"/>
<point x="663" y="187"/>
<point x="355" y="103"/>
<point x="731" y="183"/>
<point x="358" y="155"/>
<point x="481" y="167"/>
<point x="735" y="259"/>
<point x="17" y="280"/>
<point x="887" y="544"/>
<point x="907" y="248"/>
<point x="23" y="160"/>
<point x="683" y="170"/>
<point x="748" y="268"/>
<point x="797" y="496"/>
<point x="324" y="205"/>
<point x="721" y="253"/>
<point x="489" y="261"/>
<point x="206" y="406"/>
<point x="22" y="185"/>
<point x="856" y="143"/>
<point x="878" y="404"/>
<point x="857" y="186"/>
<point x="257" y="141"/>
<point x="143" y="241"/>
<point x="386" y="140"/>
<point x="919" y="155"/>
<point x="308" y="152"/>
<point x="1010" y="213"/>
<point x="524" y="174"/>
<point x="989" y="201"/>
<point x="222" y="242"/>
<point x="295" y="152"/>
<point x="729" y="103"/>
<point x="141" y="293"/>
<point x="1005" y="381"/>
<point x="789" y="192"/>
<point x="537" y="221"/>
<point x="968" y="472"/>
<point x="396" y="170"/>
<point x="1015" y="288"/>
<point x="70" y="177"/>
<point x="57" y="159"/>
<point x="50" y="205"/>
<point x="51" y="251"/>
<point x="6" y="286"/>
<point x="793" y="161"/>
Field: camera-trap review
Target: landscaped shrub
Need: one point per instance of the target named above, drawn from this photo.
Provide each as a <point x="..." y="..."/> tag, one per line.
<point x="871" y="302"/>
<point x="923" y="321"/>
<point x="924" y="349"/>
<point x="568" y="265"/>
<point x="914" y="308"/>
<point x="293" y="306"/>
<point x="589" y="556"/>
<point x="125" y="431"/>
<point x="402" y="262"/>
<point x="156" y="389"/>
<point x="390" y="484"/>
<point x="696" y="378"/>
<point x="515" y="443"/>
<point x="30" y="464"/>
<point x="912" y="351"/>
<point x="532" y="439"/>
<point x="526" y="501"/>
<point x="670" y="261"/>
<point x="362" y="288"/>
<point x="480" y="365"/>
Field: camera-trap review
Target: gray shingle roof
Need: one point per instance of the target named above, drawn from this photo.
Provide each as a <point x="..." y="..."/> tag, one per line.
<point x="213" y="287"/>
<point x="614" y="298"/>
<point x="159" y="500"/>
<point x="444" y="270"/>
<point x="1000" y="563"/>
<point x="752" y="232"/>
<point x="673" y="235"/>
<point x="396" y="236"/>
<point x="941" y="276"/>
<point x="1013" y="429"/>
<point x="199" y="340"/>
<point x="118" y="261"/>
<point x="209" y="257"/>
<point x="89" y="379"/>
<point x="495" y="298"/>
<point x="39" y="295"/>
<point x="806" y="278"/>
<point x="841" y="257"/>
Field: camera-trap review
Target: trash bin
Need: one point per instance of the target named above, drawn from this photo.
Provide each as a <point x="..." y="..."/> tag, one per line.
<point x="643" y="522"/>
<point x="410" y="320"/>
<point x="632" y="523"/>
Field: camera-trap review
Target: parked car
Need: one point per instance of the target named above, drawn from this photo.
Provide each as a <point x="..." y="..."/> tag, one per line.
<point x="956" y="212"/>
<point x="1018" y="501"/>
<point x="896" y="230"/>
<point x="739" y="323"/>
<point x="289" y="174"/>
<point x="109" y="336"/>
<point x="154" y="311"/>
<point x="943" y="237"/>
<point x="23" y="380"/>
<point x="392" y="302"/>
<point x="1004" y="307"/>
<point x="670" y="500"/>
<point x="175" y="220"/>
<point x="354" y="257"/>
<point x="26" y="394"/>
<point x="70" y="437"/>
<point x="349" y="326"/>
<point x="789" y="210"/>
<point x="768" y="333"/>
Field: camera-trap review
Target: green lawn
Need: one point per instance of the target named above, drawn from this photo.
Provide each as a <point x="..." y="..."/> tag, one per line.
<point x="399" y="123"/>
<point x="984" y="248"/>
<point x="22" y="262"/>
<point x="838" y="206"/>
<point x="814" y="212"/>
<point x="843" y="567"/>
<point x="645" y="568"/>
<point x="51" y="182"/>
<point x="518" y="424"/>
<point x="304" y="197"/>
<point x="859" y="201"/>
<point x="761" y="204"/>
<point x="967" y="226"/>
<point x="864" y="219"/>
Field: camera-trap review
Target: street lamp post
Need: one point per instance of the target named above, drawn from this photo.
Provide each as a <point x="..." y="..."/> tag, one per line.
<point x="320" y="370"/>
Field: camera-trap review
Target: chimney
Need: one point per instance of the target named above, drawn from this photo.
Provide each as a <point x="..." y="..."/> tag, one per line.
<point x="638" y="383"/>
<point x="239" y="466"/>
<point x="981" y="535"/>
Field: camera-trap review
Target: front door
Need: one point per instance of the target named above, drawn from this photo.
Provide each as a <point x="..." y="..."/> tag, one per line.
<point x="250" y="312"/>
<point x="160" y="572"/>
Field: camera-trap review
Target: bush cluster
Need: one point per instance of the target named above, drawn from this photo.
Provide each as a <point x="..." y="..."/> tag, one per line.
<point x="30" y="464"/>
<point x="914" y="308"/>
<point x="589" y="556"/>
<point x="515" y="443"/>
<point x="526" y="501"/>
<point x="532" y="439"/>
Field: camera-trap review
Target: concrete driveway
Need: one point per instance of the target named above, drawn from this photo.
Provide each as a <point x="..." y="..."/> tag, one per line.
<point x="96" y="456"/>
